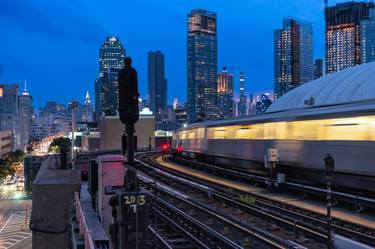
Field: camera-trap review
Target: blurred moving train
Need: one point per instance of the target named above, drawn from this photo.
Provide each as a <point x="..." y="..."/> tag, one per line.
<point x="303" y="138"/>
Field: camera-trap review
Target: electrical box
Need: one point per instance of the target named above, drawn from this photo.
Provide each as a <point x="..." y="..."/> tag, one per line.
<point x="272" y="155"/>
<point x="111" y="173"/>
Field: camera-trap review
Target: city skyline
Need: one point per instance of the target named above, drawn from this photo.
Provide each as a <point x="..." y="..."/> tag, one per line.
<point x="84" y="38"/>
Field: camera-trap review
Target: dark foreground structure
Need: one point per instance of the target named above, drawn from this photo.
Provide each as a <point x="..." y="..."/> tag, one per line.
<point x="53" y="190"/>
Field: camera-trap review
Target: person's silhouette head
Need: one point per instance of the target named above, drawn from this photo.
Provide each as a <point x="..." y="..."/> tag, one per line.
<point x="128" y="61"/>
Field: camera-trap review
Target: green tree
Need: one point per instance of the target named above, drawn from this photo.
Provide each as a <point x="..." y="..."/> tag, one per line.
<point x="17" y="156"/>
<point x="61" y="145"/>
<point x="6" y="167"/>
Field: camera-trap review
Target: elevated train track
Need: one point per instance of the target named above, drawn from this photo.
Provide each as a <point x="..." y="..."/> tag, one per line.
<point x="307" y="226"/>
<point x="357" y="199"/>
<point x="204" y="225"/>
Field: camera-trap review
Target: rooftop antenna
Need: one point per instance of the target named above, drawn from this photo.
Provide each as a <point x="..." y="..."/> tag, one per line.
<point x="326" y="3"/>
<point x="25" y="93"/>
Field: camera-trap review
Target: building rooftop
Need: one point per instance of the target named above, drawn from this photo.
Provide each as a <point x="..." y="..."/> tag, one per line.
<point x="350" y="85"/>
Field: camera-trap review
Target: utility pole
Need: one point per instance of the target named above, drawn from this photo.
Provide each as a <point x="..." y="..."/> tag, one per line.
<point x="73" y="106"/>
<point x="329" y="163"/>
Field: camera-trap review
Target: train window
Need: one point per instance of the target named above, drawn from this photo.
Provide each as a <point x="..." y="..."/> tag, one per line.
<point x="358" y="128"/>
<point x="192" y="134"/>
<point x="200" y="133"/>
<point x="242" y="132"/>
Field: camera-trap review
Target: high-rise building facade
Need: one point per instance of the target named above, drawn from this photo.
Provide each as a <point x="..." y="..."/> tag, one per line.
<point x="252" y="104"/>
<point x="343" y="34"/>
<point x="157" y="83"/>
<point x="9" y="113"/>
<point x="242" y="104"/>
<point x="111" y="59"/>
<point x="25" y="102"/>
<point x="263" y="103"/>
<point x="201" y="66"/>
<point x="293" y="55"/>
<point x="318" y="68"/>
<point x="368" y="38"/>
<point x="225" y="93"/>
<point x="5" y="143"/>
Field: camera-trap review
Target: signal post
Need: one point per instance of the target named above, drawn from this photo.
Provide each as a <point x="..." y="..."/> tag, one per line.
<point x="130" y="205"/>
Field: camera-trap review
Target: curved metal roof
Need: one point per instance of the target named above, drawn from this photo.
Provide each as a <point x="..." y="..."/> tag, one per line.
<point x="353" y="84"/>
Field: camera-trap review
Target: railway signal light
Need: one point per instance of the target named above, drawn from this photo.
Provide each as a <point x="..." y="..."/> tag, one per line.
<point x="128" y="93"/>
<point x="165" y="147"/>
<point x="132" y="203"/>
<point x="329" y="163"/>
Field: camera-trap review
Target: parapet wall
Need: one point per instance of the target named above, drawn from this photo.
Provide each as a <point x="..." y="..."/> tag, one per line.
<point x="53" y="192"/>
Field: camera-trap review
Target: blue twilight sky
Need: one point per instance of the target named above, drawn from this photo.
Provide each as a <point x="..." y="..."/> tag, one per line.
<point x="54" y="44"/>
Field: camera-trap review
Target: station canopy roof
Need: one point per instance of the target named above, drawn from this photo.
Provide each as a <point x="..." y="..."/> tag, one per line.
<point x="350" y="85"/>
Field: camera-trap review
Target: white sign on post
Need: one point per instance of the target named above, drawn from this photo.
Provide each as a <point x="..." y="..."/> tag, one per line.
<point x="273" y="155"/>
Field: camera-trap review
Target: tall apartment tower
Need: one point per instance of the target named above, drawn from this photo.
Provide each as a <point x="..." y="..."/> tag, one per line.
<point x="157" y="83"/>
<point x="293" y="55"/>
<point x="343" y="34"/>
<point x="225" y="93"/>
<point x="25" y="102"/>
<point x="201" y="66"/>
<point x="242" y="104"/>
<point x="111" y="59"/>
<point x="368" y="38"/>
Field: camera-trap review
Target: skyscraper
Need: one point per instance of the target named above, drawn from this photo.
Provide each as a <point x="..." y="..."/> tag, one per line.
<point x="343" y="34"/>
<point x="86" y="110"/>
<point x="9" y="113"/>
<point x="225" y="93"/>
<point x="201" y="65"/>
<point x="111" y="58"/>
<point x="293" y="55"/>
<point x="25" y="102"/>
<point x="318" y="68"/>
<point x="242" y="104"/>
<point x="157" y="83"/>
<point x="368" y="38"/>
